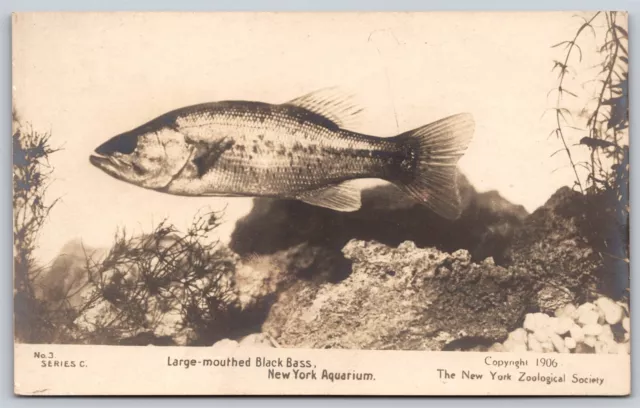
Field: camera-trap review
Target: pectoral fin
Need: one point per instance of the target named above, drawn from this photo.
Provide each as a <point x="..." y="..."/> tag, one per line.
<point x="338" y="197"/>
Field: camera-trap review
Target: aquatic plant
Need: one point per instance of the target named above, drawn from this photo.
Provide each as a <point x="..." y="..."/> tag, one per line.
<point x="604" y="118"/>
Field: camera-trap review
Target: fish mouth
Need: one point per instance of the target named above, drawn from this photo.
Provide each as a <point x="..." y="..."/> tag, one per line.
<point x="109" y="164"/>
<point x="98" y="160"/>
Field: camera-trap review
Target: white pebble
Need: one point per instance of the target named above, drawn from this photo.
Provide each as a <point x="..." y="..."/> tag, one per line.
<point x="509" y="345"/>
<point x="547" y="347"/>
<point x="514" y="346"/>
<point x="622" y="348"/>
<point x="519" y="336"/>
<point x="563" y="325"/>
<point x="602" y="347"/>
<point x="576" y="333"/>
<point x="566" y="311"/>
<point x="534" y="344"/>
<point x="592" y="329"/>
<point x="590" y="341"/>
<point x="607" y="333"/>
<point x="624" y="307"/>
<point x="588" y="317"/>
<point x="496" y="347"/>
<point x="613" y="313"/>
<point x="520" y="348"/>
<point x="541" y="334"/>
<point x="613" y="348"/>
<point x="626" y="324"/>
<point x="569" y="343"/>
<point x="585" y="307"/>
<point x="224" y="344"/>
<point x="552" y="324"/>
<point x="529" y="322"/>
<point x="541" y="319"/>
<point x="557" y="342"/>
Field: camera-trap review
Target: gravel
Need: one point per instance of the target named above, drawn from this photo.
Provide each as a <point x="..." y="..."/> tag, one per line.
<point x="600" y="327"/>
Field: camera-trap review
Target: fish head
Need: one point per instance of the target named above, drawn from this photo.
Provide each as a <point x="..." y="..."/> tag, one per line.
<point x="149" y="157"/>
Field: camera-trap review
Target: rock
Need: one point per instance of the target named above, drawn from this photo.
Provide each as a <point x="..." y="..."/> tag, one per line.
<point x="584" y="348"/>
<point x="259" y="278"/>
<point x="541" y="319"/>
<point x="590" y="341"/>
<point x="529" y="322"/>
<point x="624" y="306"/>
<point x="534" y="344"/>
<point x="225" y="344"/>
<point x="542" y="334"/>
<point x="520" y="348"/>
<point x="496" y="347"/>
<point x="558" y="342"/>
<point x="612" y="346"/>
<point x="489" y="262"/>
<point x="622" y="348"/>
<point x="606" y="333"/>
<point x="255" y="340"/>
<point x="603" y="347"/>
<point x="566" y="311"/>
<point x="519" y="336"/>
<point x="65" y="282"/>
<point x="510" y="345"/>
<point x="547" y="347"/>
<point x="576" y="333"/>
<point x="569" y="343"/>
<point x="563" y="325"/>
<point x="585" y="307"/>
<point x="592" y="329"/>
<point x="560" y="243"/>
<point x="369" y="309"/>
<point x="552" y="298"/>
<point x="514" y="346"/>
<point x="395" y="290"/>
<point x="588" y="317"/>
<point x="626" y="324"/>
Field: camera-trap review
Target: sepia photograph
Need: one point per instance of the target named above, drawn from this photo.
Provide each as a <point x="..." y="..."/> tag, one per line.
<point x="247" y="193"/>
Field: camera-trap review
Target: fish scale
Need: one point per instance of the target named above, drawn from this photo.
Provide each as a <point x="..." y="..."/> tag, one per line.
<point x="273" y="153"/>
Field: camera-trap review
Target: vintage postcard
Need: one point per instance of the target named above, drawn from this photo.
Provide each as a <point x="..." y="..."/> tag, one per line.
<point x="430" y="203"/>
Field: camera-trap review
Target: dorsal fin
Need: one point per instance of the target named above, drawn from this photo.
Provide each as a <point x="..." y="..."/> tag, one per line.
<point x="331" y="103"/>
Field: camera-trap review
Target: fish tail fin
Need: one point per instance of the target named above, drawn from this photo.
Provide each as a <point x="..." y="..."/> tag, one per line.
<point x="434" y="151"/>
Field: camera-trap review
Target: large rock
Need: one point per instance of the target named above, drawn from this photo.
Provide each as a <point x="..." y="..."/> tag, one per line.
<point x="288" y="246"/>
<point x="403" y="298"/>
<point x="63" y="284"/>
<point x="570" y="250"/>
<point x="574" y="244"/>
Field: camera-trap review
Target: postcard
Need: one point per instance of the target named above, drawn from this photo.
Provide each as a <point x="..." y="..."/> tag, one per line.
<point x="357" y="203"/>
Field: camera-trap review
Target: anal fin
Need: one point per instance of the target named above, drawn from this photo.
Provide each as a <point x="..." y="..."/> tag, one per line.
<point x="344" y="197"/>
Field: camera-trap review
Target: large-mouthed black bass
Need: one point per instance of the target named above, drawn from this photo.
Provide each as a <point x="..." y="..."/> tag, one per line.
<point x="296" y="150"/>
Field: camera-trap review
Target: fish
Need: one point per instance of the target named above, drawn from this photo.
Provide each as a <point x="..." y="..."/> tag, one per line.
<point x="301" y="149"/>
